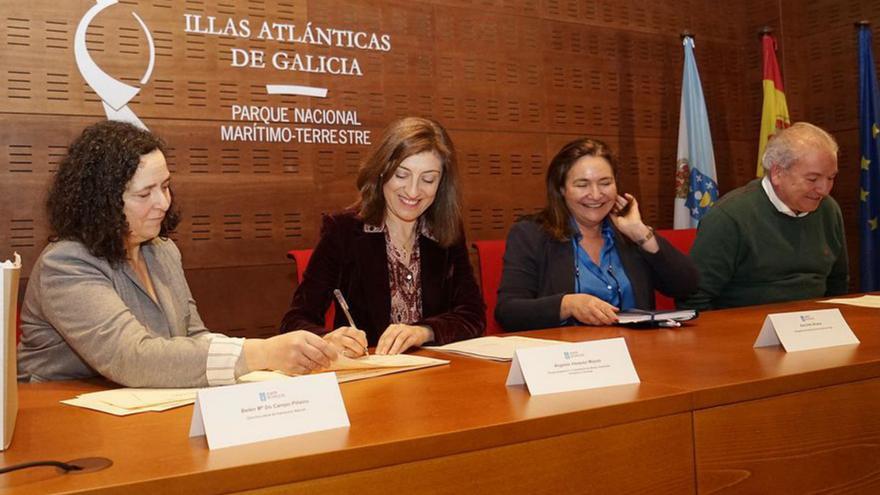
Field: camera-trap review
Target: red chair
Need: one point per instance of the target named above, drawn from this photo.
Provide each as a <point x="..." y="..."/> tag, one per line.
<point x="491" y="254"/>
<point x="301" y="257"/>
<point x="682" y="239"/>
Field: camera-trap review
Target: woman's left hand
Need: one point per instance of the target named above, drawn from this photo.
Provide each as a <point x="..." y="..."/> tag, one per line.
<point x="630" y="223"/>
<point x="398" y="338"/>
<point x="631" y="219"/>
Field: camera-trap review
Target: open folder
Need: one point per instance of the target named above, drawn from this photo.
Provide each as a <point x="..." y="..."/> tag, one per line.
<point x="125" y="401"/>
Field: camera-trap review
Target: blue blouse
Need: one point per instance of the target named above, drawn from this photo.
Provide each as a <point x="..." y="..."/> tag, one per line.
<point x="608" y="280"/>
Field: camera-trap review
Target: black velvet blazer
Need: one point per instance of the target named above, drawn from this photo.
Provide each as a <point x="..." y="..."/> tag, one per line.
<point x="355" y="262"/>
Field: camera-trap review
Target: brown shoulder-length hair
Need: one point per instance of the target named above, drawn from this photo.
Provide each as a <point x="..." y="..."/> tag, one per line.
<point x="404" y="138"/>
<point x="85" y="200"/>
<point x="555" y="216"/>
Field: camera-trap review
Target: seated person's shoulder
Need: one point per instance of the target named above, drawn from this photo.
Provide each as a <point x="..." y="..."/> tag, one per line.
<point x="737" y="205"/>
<point x="528" y="235"/>
<point x="831" y="205"/>
<point x="527" y="226"/>
<point x="64" y="261"/>
<point x="740" y="196"/>
<point x="343" y="220"/>
<point x="166" y="249"/>
<point x="65" y="251"/>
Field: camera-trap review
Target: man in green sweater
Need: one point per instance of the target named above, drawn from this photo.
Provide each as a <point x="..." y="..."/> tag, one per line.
<point x="779" y="238"/>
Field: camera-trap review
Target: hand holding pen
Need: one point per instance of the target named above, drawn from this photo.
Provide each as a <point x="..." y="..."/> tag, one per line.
<point x="348" y="338"/>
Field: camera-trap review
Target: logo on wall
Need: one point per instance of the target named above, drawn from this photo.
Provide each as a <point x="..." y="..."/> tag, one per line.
<point x="115" y="94"/>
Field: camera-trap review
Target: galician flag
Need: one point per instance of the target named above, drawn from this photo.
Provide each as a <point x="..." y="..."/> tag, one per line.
<point x="696" y="184"/>
<point x="774" y="116"/>
<point x="869" y="173"/>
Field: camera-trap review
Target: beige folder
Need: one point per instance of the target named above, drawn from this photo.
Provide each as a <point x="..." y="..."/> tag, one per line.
<point x="9" y="274"/>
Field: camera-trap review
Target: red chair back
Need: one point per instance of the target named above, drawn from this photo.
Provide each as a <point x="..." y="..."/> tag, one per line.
<point x="682" y="239"/>
<point x="491" y="254"/>
<point x="301" y="257"/>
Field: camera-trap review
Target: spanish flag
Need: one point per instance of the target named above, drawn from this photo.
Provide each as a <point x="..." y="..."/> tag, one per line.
<point x="774" y="116"/>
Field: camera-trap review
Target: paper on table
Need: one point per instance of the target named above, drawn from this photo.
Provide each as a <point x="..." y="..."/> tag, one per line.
<point x="492" y="347"/>
<point x="349" y="370"/>
<point x="383" y="361"/>
<point x="121" y="411"/>
<point x="866" y="301"/>
<point x="125" y="401"/>
<point x="132" y="398"/>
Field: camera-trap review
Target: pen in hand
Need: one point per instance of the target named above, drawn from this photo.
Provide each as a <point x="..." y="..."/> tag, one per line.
<point x="344" y="305"/>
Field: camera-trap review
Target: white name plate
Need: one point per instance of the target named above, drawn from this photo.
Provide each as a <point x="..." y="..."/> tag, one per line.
<point x="575" y="366"/>
<point x="254" y="412"/>
<point x="803" y="330"/>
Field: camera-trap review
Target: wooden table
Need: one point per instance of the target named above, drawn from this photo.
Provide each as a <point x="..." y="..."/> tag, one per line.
<point x="711" y="413"/>
<point x="767" y="421"/>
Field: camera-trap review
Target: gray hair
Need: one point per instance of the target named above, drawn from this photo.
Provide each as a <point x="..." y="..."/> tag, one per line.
<point x="789" y="145"/>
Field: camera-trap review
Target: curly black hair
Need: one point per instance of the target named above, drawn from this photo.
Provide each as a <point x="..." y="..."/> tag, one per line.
<point x="85" y="200"/>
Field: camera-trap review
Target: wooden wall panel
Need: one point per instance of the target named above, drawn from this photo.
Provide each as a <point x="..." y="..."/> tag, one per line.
<point x="512" y="81"/>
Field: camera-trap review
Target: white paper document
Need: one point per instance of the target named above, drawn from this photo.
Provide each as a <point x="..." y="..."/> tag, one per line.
<point x="573" y="366"/>
<point x="254" y="412"/>
<point x="804" y="330"/>
<point x="866" y="301"/>
<point x="493" y="347"/>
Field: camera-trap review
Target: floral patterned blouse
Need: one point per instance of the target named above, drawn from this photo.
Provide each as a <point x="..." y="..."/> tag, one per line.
<point x="404" y="277"/>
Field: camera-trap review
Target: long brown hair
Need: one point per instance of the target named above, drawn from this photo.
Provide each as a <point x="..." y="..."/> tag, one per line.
<point x="555" y="216"/>
<point x="404" y="138"/>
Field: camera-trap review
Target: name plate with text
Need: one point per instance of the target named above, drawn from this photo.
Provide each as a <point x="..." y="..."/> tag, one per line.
<point x="575" y="366"/>
<point x="254" y="412"/>
<point x="803" y="330"/>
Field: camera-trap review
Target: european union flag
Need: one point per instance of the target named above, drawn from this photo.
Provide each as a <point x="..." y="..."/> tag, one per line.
<point x="869" y="178"/>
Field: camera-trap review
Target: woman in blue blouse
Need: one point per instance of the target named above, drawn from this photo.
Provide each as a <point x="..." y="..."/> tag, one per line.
<point x="587" y="254"/>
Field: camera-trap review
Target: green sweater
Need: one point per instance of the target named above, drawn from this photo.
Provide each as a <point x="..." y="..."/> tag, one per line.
<point x="749" y="253"/>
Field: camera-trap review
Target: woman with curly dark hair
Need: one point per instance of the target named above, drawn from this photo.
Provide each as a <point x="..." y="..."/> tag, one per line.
<point x="398" y="255"/>
<point x="108" y="295"/>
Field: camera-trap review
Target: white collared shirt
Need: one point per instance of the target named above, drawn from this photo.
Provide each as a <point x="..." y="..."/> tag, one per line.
<point x="778" y="203"/>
